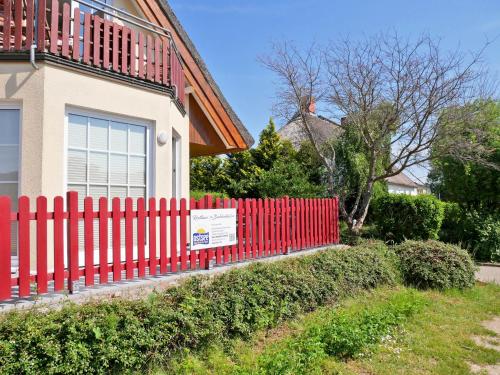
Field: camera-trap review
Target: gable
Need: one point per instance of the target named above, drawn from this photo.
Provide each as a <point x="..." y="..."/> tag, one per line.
<point x="228" y="125"/>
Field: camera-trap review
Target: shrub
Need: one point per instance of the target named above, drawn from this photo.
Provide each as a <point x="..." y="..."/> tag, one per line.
<point x="402" y="217"/>
<point x="121" y="336"/>
<point x="196" y="194"/>
<point x="434" y="264"/>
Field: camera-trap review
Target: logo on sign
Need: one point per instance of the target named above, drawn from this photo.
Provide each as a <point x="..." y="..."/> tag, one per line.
<point x="201" y="237"/>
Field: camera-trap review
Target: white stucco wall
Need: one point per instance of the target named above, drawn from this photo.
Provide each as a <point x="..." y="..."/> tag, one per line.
<point x="400" y="189"/>
<point x="44" y="97"/>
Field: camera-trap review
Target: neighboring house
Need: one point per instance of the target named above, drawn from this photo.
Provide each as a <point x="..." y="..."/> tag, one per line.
<point x="322" y="128"/>
<point x="113" y="103"/>
<point x="402" y="184"/>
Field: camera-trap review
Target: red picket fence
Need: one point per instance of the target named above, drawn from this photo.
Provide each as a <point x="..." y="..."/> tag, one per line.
<point x="137" y="242"/>
<point x="91" y="40"/>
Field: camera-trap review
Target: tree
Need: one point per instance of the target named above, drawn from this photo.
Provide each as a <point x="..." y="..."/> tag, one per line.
<point x="207" y="174"/>
<point x="393" y="94"/>
<point x="472" y="185"/>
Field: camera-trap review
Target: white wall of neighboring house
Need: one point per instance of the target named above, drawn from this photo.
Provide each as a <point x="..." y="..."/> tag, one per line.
<point x="400" y="189"/>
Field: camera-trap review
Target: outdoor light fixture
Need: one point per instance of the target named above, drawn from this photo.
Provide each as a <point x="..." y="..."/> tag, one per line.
<point x="162" y="138"/>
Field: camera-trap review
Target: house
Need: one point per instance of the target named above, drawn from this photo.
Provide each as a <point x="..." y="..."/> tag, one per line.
<point x="322" y="128"/>
<point x="402" y="184"/>
<point x="107" y="98"/>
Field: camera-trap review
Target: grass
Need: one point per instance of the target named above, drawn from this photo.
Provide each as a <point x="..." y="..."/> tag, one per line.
<point x="428" y="332"/>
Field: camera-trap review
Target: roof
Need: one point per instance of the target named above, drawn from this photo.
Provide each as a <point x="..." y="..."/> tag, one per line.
<point x="402" y="180"/>
<point x="322" y="128"/>
<point x="247" y="137"/>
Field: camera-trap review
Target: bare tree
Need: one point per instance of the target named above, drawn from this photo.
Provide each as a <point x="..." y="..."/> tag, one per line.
<point x="396" y="94"/>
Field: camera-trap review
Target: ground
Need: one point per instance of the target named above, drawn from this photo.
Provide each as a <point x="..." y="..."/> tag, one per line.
<point x="488" y="274"/>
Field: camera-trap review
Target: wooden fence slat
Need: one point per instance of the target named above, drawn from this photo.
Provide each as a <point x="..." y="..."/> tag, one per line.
<point x="254" y="229"/>
<point x="7" y="27"/>
<point x="210" y="252"/>
<point x="141" y="56"/>
<point x="103" y="240"/>
<point x="116" y="239"/>
<point x="18" y="24"/>
<point x="183" y="234"/>
<point x="278" y="226"/>
<point x="42" y="20"/>
<point x="129" y="238"/>
<point x="336" y="220"/>
<point x="133" y="53"/>
<point x="87" y="19"/>
<point x="76" y="34"/>
<point x="65" y="29"/>
<point x="192" y="253"/>
<point x="285" y="232"/>
<point x="30" y="22"/>
<point x="153" y="261"/>
<point x="247" y="228"/>
<point x="227" y="252"/>
<point x="72" y="239"/>
<point x="173" y="235"/>
<point x="54" y="26"/>
<point x="241" y="211"/>
<point x="24" y="246"/>
<point x="58" y="244"/>
<point x="106" y="47"/>
<point x="218" y="250"/>
<point x="115" y="48"/>
<point x="293" y="224"/>
<point x="96" y="59"/>
<point x="125" y="49"/>
<point x="157" y="60"/>
<point x="266" y="227"/>
<point x="163" y="236"/>
<point x="272" y="233"/>
<point x="165" y="60"/>
<point x="5" y="249"/>
<point x="89" y="240"/>
<point x="234" y="253"/>
<point x="149" y="56"/>
<point x="141" y="258"/>
<point x="260" y="227"/>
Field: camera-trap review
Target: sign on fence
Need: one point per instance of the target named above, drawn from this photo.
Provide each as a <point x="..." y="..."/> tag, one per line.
<point x="213" y="228"/>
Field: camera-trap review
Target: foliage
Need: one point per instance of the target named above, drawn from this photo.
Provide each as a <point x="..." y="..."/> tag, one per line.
<point x="436" y="265"/>
<point x="120" y="336"/>
<point x="478" y="232"/>
<point x="197" y="194"/>
<point x="400" y="217"/>
<point x="207" y="173"/>
<point x="471" y="184"/>
<point x="272" y="169"/>
<point x="287" y="178"/>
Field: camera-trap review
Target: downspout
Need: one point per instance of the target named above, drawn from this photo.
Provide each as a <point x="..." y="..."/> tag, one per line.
<point x="33" y="46"/>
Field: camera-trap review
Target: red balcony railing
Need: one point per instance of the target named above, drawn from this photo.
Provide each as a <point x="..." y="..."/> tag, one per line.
<point x="91" y="40"/>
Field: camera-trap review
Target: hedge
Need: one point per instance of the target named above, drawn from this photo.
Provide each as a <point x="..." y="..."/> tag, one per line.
<point x="434" y="264"/>
<point x="121" y="336"/>
<point x="401" y="217"/>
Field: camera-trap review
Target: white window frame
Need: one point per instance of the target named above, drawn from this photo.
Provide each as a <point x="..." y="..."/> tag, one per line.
<point x="176" y="164"/>
<point x="16" y="107"/>
<point x="150" y="149"/>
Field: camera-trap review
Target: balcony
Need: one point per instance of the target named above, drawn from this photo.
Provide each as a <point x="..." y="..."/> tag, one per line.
<point x="131" y="49"/>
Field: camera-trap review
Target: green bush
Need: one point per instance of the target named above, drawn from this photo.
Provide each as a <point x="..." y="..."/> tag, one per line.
<point x="122" y="336"/>
<point x="477" y="232"/>
<point x="434" y="264"/>
<point x="402" y="217"/>
<point x="196" y="194"/>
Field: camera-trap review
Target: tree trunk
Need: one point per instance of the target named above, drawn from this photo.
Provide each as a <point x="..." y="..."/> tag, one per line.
<point x="357" y="223"/>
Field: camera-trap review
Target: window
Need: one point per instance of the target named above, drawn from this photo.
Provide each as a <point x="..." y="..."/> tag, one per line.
<point x="107" y="158"/>
<point x="9" y="159"/>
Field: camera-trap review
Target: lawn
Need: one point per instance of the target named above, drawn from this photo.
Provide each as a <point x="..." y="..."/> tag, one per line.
<point x="386" y="331"/>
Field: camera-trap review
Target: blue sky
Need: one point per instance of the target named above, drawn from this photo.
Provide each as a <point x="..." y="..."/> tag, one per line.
<point x="231" y="34"/>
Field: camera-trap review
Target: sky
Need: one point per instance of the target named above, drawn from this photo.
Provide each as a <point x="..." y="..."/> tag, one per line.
<point x="231" y="34"/>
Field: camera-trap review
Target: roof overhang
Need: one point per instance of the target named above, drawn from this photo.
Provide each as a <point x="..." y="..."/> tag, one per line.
<point x="202" y="87"/>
